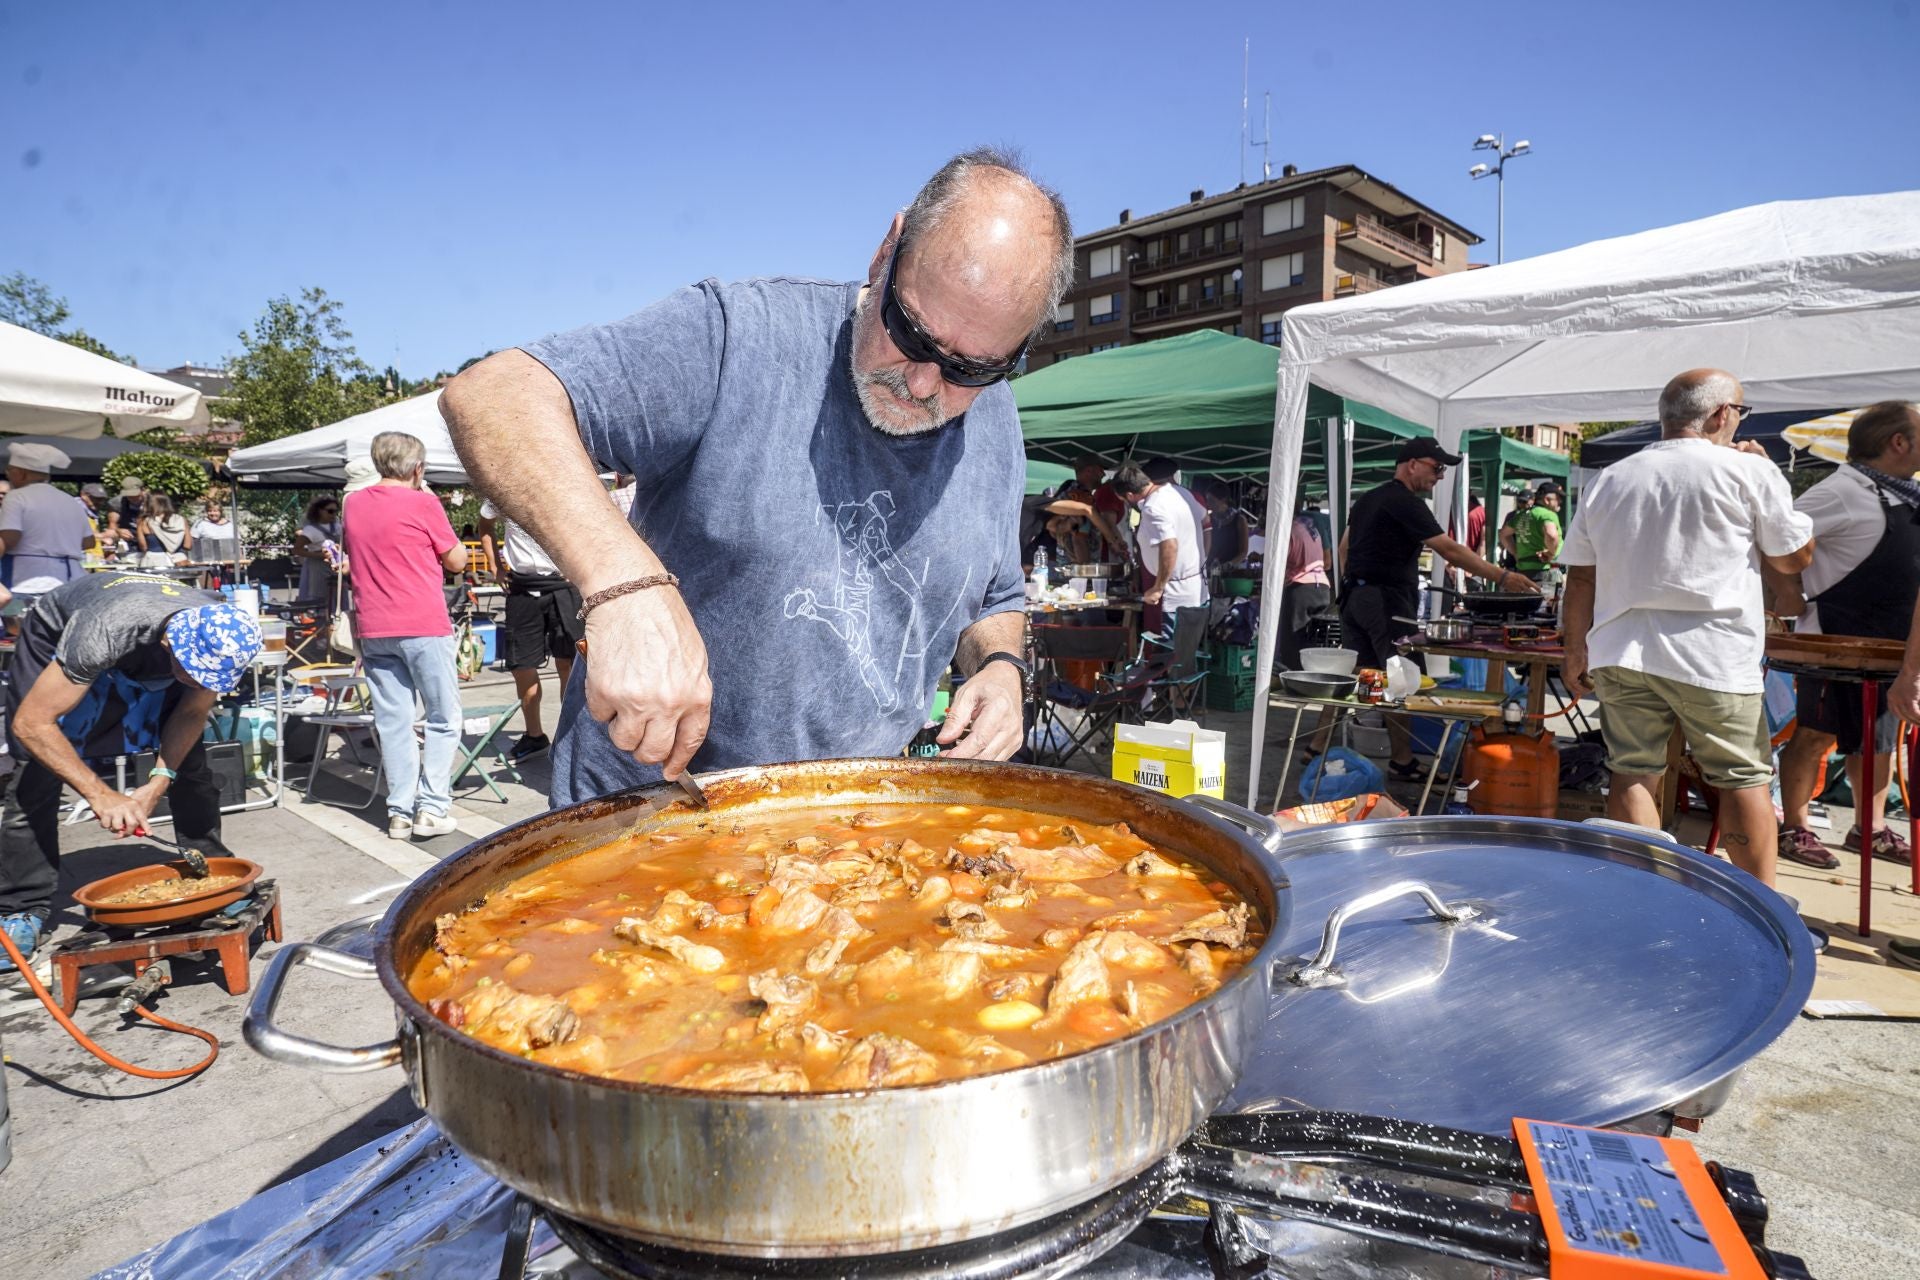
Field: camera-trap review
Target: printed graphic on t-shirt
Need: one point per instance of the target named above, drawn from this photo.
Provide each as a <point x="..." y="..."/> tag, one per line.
<point x="865" y="564"/>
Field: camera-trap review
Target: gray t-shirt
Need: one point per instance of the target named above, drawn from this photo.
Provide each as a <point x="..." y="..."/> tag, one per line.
<point x="829" y="566"/>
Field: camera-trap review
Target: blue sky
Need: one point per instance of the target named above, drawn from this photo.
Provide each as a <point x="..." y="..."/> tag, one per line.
<point x="465" y="176"/>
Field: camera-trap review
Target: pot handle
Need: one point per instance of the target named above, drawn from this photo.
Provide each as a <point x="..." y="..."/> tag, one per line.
<point x="1320" y="971"/>
<point x="269" y="1041"/>
<point x="1257" y="825"/>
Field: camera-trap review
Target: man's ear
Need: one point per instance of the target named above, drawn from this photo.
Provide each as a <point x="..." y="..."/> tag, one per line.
<point x="878" y="266"/>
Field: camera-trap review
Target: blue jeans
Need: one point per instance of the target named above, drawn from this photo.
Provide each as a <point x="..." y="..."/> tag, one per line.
<point x="398" y="667"/>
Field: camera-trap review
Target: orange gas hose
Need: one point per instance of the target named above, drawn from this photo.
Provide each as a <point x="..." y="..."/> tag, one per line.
<point x="86" y="1042"/>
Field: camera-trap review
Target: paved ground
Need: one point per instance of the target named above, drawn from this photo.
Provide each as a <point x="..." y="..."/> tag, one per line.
<point x="105" y="1165"/>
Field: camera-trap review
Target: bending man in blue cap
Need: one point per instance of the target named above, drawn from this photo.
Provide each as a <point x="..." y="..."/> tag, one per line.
<point x="129" y="629"/>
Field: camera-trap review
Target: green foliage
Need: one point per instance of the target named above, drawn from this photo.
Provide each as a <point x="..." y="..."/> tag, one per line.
<point x="31" y="305"/>
<point x="181" y="479"/>
<point x="1588" y="430"/>
<point x="298" y="370"/>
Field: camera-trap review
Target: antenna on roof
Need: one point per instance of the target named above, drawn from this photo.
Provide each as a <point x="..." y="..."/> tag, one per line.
<point x="1265" y="144"/>
<point x="1246" y="49"/>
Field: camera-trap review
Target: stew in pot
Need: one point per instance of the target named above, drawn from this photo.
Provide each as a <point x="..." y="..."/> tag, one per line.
<point x="805" y="950"/>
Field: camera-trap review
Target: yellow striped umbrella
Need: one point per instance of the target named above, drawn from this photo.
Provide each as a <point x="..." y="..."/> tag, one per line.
<point x="1823" y="437"/>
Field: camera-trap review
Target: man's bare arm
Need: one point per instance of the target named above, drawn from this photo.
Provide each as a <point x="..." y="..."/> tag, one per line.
<point x="986" y="718"/>
<point x="1457" y="553"/>
<point x="1792" y="562"/>
<point x="1576" y="620"/>
<point x="512" y="424"/>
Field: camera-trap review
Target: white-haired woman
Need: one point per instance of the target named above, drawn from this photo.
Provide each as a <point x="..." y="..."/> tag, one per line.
<point x="402" y="546"/>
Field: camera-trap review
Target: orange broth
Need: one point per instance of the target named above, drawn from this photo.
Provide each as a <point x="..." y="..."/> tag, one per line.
<point x="810" y="950"/>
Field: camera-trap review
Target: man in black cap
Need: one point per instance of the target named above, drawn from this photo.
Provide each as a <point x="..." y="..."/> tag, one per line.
<point x="1380" y="559"/>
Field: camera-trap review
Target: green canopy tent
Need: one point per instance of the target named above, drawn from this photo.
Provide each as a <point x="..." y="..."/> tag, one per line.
<point x="1044" y="477"/>
<point x="1206" y="400"/>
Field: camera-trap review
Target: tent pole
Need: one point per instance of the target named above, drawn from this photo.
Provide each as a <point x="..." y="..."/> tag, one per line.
<point x="1289" y="432"/>
<point x="1335" y="516"/>
<point x="1490" y="533"/>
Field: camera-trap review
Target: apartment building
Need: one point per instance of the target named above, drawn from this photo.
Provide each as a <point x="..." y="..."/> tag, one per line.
<point x="1238" y="260"/>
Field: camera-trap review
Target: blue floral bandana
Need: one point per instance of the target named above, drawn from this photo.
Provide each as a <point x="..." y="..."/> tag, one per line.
<point x="216" y="643"/>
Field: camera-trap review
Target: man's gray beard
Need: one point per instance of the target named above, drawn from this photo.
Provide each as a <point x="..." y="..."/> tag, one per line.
<point x="871" y="387"/>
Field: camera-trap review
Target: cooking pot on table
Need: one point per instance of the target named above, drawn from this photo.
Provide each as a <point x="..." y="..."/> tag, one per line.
<point x="823" y="1173"/>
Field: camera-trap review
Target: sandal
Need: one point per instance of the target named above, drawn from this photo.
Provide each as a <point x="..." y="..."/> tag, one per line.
<point x="1797" y="844"/>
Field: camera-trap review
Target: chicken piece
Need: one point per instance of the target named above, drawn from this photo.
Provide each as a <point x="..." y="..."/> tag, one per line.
<point x="697" y="957"/>
<point x="882" y="1061"/>
<point x="1130" y="1003"/>
<point x="1059" y="939"/>
<point x="791" y="869"/>
<point x="787" y="999"/>
<point x="679" y="909"/>
<point x="1082" y="976"/>
<point x="1227" y="928"/>
<point x="582" y="1053"/>
<point x="450" y="967"/>
<point x="443" y="932"/>
<point x="980" y="1048"/>
<point x="1136" y="918"/>
<point x="868" y="819"/>
<point x="821" y="960"/>
<point x="514" y="1020"/>
<point x="933" y="891"/>
<point x="992" y="862"/>
<point x="807" y="846"/>
<point x="946" y="975"/>
<point x="985" y="950"/>
<point x="797" y="910"/>
<point x="970" y="920"/>
<point x="1128" y="950"/>
<point x="812" y="1039"/>
<point x="1149" y="863"/>
<point x="638" y="973"/>
<point x="1064" y="862"/>
<point x="1016" y="986"/>
<point x="1008" y="894"/>
<point x="1197" y="959"/>
<point x="747" y="1077"/>
<point x="845" y="865"/>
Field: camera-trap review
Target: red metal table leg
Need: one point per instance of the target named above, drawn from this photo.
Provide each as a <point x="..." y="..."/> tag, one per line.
<point x="1912" y="737"/>
<point x="1863" y="805"/>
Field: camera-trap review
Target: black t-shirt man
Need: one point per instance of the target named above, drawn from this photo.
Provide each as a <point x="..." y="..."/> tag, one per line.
<point x="1386" y="530"/>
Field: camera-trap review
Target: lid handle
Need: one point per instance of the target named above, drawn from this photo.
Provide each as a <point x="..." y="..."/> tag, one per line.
<point x="1320" y="971"/>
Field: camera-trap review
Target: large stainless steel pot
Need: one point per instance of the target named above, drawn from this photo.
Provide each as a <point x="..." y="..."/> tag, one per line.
<point x="829" y="1173"/>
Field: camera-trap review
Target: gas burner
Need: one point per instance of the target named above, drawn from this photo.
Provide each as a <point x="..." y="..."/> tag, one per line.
<point x="1053" y="1246"/>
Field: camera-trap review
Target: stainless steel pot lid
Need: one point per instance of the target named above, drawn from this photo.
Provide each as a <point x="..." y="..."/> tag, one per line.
<point x="1590" y="975"/>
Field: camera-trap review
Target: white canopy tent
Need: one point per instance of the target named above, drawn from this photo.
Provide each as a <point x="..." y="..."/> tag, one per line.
<point x="318" y="459"/>
<point x="1810" y="303"/>
<point x="52" y="388"/>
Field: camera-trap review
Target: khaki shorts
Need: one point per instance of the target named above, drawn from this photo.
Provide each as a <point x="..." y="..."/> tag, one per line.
<point x="1726" y="732"/>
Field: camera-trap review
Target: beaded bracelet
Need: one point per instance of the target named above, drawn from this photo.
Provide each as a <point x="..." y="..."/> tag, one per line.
<point x="614" y="592"/>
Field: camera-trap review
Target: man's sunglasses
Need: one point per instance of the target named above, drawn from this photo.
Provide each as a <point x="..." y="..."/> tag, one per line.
<point x="1740" y="411"/>
<point x="916" y="346"/>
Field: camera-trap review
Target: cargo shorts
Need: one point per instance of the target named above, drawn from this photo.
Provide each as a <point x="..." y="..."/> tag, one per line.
<point x="1726" y="733"/>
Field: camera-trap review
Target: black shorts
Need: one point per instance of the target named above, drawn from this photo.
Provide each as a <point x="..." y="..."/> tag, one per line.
<point x="541" y="621"/>
<point x="1829" y="707"/>
<point x="1367" y="625"/>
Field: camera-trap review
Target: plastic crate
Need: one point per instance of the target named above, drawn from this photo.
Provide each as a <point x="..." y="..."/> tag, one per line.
<point x="1230" y="678"/>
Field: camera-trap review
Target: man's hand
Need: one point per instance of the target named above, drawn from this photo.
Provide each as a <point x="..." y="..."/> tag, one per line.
<point x="1573" y="670"/>
<point x="647" y="677"/>
<point x="984" y="721"/>
<point x="1904" y="697"/>
<point x="1748" y="446"/>
<point x="1518" y="583"/>
<point x="1154" y="594"/>
<point x="125" y="814"/>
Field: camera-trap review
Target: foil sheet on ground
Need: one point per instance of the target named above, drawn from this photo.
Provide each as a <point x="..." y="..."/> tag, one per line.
<point x="410" y="1206"/>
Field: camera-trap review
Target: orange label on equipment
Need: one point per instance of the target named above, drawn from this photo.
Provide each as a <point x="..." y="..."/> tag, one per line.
<point x="1628" y="1206"/>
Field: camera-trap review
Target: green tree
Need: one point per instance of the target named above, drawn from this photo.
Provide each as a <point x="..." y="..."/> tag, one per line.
<point x="182" y="479"/>
<point x="298" y="370"/>
<point x="31" y="305"/>
<point x="1588" y="430"/>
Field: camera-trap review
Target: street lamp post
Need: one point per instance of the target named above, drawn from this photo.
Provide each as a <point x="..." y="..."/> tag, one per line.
<point x="1497" y="143"/>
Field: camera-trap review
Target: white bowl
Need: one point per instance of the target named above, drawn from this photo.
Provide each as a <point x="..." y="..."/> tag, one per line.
<point x="1336" y="662"/>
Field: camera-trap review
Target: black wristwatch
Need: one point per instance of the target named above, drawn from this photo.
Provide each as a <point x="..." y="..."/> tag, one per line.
<point x="1001" y="655"/>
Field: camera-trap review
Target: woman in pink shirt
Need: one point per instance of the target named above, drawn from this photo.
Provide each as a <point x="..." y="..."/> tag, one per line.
<point x="400" y="546"/>
<point x="1308" y="588"/>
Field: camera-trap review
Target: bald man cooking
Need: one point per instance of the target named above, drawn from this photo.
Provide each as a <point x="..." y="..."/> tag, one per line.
<point x="829" y="481"/>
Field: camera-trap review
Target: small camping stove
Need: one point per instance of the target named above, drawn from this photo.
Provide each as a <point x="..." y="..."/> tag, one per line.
<point x="227" y="932"/>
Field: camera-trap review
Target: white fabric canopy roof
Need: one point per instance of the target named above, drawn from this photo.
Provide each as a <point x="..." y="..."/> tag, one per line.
<point x="52" y="388"/>
<point x="1811" y="303"/>
<point x="318" y="459"/>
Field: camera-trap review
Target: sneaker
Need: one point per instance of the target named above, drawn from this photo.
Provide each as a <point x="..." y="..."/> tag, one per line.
<point x="1887" y="843"/>
<point x="427" y="824"/>
<point x="399" y="827"/>
<point x="1906" y="953"/>
<point x="529" y="746"/>
<point x="1411" y="771"/>
<point x="23" y="930"/>
<point x="1797" y="844"/>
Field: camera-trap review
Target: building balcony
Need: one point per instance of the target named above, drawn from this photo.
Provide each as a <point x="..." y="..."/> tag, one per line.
<point x="1368" y="236"/>
<point x="1172" y="314"/>
<point x="1168" y="264"/>
<point x="1346" y="286"/>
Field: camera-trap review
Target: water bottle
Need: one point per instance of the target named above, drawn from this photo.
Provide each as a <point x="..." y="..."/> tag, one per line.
<point x="1039" y="572"/>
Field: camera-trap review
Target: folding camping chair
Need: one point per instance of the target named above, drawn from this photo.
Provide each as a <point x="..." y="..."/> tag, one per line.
<point x="1176" y="690"/>
<point x="1069" y="718"/>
